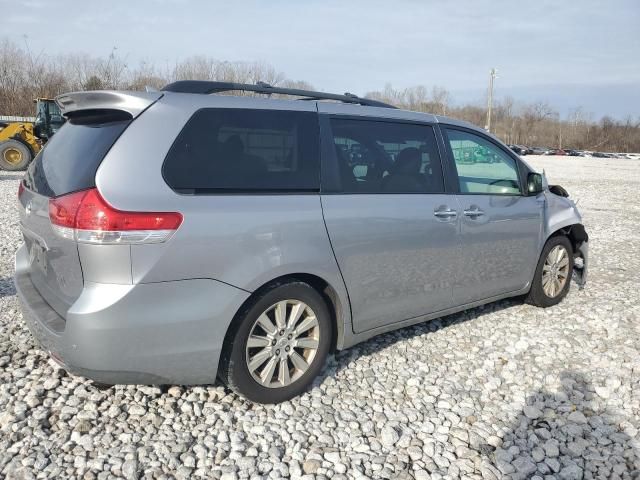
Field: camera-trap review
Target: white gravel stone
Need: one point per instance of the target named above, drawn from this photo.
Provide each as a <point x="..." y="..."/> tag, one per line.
<point x="51" y="383"/>
<point x="130" y="469"/>
<point x="524" y="466"/>
<point x="532" y="412"/>
<point x="551" y="448"/>
<point x="137" y="410"/>
<point x="537" y="454"/>
<point x="389" y="436"/>
<point x="311" y="466"/>
<point x="571" y="472"/>
<point x="577" y="417"/>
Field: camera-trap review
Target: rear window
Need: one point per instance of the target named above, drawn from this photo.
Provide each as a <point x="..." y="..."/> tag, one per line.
<point x="69" y="161"/>
<point x="245" y="150"/>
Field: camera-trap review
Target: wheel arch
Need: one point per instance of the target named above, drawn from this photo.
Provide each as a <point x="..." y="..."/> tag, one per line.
<point x="331" y="298"/>
<point x="575" y="232"/>
<point x="329" y="294"/>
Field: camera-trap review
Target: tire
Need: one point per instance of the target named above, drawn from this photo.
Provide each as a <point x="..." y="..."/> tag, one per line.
<point x="261" y="384"/>
<point x="14" y="155"/>
<point x="538" y="295"/>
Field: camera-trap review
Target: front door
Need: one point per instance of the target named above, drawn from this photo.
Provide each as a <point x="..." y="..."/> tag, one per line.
<point x="501" y="227"/>
<point x="393" y="229"/>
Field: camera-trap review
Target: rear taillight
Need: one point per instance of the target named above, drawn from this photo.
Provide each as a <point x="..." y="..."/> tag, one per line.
<point x="86" y="217"/>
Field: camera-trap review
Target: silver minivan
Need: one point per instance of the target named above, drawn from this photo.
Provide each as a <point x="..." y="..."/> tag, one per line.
<point x="180" y="236"/>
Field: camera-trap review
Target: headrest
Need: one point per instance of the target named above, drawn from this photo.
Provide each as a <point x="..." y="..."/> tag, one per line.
<point x="408" y="161"/>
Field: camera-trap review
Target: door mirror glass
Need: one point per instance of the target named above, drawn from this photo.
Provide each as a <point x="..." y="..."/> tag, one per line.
<point x="534" y="183"/>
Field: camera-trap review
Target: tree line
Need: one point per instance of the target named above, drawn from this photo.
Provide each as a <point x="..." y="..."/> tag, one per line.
<point x="25" y="76"/>
<point x="531" y="124"/>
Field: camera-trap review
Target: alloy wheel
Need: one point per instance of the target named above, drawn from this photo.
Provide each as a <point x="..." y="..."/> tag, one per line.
<point x="282" y="343"/>
<point x="555" y="271"/>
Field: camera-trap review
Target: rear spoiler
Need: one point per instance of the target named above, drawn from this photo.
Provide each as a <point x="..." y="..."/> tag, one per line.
<point x="132" y="102"/>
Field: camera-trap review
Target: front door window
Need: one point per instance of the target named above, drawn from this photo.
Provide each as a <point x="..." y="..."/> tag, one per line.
<point x="482" y="167"/>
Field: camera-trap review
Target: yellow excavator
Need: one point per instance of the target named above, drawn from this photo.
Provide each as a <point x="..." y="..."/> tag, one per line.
<point x="21" y="141"/>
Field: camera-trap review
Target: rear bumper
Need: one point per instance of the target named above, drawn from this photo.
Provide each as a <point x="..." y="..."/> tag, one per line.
<point x="154" y="333"/>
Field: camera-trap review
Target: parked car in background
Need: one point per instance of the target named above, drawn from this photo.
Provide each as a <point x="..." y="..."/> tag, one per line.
<point x="236" y="259"/>
<point x="520" y="149"/>
<point x="556" y="151"/>
<point x="572" y="153"/>
<point x="516" y="148"/>
<point x="539" y="150"/>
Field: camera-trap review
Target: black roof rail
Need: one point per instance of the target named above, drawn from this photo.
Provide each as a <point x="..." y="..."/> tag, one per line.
<point x="207" y="87"/>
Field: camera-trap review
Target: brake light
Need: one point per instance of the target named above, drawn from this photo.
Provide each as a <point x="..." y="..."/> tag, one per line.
<point x="86" y="217"/>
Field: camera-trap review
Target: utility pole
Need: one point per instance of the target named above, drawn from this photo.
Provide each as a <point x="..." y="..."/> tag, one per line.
<point x="492" y="77"/>
<point x="560" y="125"/>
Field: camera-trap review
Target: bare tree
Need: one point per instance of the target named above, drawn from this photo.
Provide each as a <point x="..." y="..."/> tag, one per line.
<point x="441" y="98"/>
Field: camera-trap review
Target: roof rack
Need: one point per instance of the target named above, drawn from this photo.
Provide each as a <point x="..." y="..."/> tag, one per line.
<point x="208" y="87"/>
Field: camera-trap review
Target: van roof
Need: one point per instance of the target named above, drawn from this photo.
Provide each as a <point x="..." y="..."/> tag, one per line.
<point x="347" y="104"/>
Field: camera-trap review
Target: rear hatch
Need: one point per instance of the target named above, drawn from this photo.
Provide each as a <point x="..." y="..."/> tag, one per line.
<point x="68" y="163"/>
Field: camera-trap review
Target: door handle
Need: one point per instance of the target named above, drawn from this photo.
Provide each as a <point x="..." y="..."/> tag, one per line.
<point x="445" y="213"/>
<point x="475" y="212"/>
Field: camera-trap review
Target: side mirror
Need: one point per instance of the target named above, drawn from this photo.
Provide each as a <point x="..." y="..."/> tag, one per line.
<point x="534" y="184"/>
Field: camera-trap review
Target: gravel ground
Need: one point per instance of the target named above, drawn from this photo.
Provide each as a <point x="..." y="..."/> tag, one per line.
<point x="505" y="390"/>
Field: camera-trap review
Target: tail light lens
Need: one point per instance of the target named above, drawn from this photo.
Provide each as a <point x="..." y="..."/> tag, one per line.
<point x="86" y="217"/>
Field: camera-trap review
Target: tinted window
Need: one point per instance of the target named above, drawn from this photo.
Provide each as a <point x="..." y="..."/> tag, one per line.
<point x="385" y="157"/>
<point x="245" y="150"/>
<point x="69" y="161"/>
<point x="482" y="166"/>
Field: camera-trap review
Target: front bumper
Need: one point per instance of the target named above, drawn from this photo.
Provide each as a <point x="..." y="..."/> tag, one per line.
<point x="153" y="333"/>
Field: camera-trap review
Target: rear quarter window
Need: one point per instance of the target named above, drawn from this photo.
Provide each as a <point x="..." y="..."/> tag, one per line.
<point x="245" y="150"/>
<point x="69" y="161"/>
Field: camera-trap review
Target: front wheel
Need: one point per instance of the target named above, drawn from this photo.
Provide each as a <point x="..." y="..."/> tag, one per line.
<point x="278" y="344"/>
<point x="553" y="274"/>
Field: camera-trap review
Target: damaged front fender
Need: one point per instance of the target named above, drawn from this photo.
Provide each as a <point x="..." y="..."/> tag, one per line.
<point x="562" y="215"/>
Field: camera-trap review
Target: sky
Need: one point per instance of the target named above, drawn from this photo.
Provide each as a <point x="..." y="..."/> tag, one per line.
<point x="568" y="52"/>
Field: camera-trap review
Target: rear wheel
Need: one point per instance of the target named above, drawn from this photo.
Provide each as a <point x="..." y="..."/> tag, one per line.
<point x="278" y="344"/>
<point x="553" y="274"/>
<point x="14" y="155"/>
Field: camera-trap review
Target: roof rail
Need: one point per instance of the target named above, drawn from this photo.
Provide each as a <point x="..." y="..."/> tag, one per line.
<point x="208" y="87"/>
